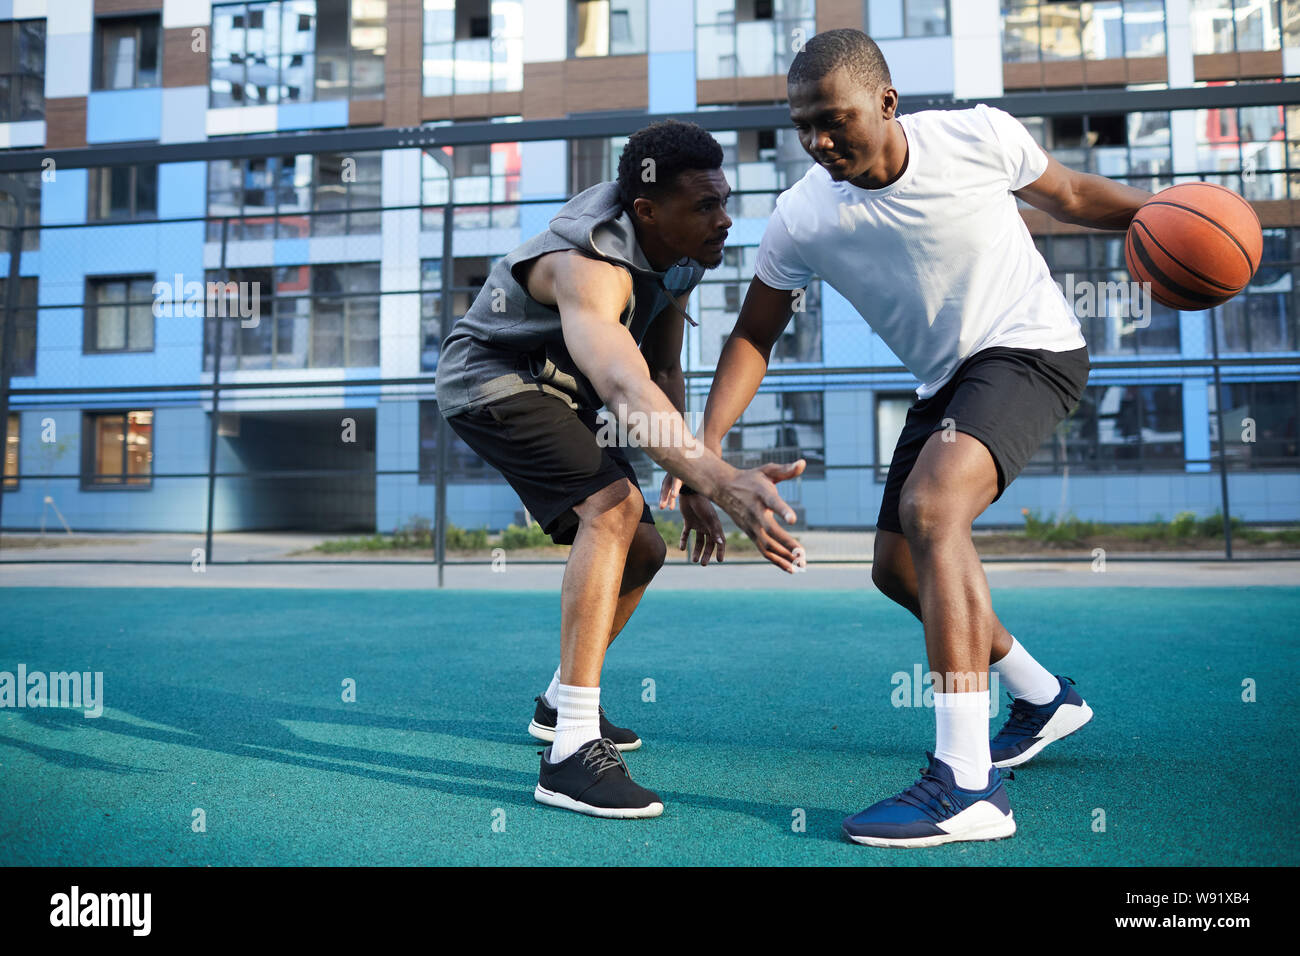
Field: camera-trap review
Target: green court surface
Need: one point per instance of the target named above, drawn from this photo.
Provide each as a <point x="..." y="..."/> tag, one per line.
<point x="768" y="708"/>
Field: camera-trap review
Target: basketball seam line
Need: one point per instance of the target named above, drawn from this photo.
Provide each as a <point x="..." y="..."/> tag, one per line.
<point x="1140" y="250"/>
<point x="1196" y="212"/>
<point x="1215" y="282"/>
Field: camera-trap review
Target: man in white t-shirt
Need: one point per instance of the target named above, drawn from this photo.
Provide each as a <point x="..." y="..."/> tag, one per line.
<point x="914" y="220"/>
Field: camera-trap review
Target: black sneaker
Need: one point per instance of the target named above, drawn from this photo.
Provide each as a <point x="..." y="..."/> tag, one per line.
<point x="543" y="727"/>
<point x="594" y="780"/>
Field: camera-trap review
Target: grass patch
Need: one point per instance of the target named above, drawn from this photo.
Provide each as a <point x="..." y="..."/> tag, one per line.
<point x="1184" y="529"/>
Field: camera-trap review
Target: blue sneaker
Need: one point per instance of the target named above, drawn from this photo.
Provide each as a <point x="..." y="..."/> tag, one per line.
<point x="935" y="810"/>
<point x="1030" y="727"/>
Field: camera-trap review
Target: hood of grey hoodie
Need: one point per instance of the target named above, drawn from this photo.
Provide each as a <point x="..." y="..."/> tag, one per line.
<point x="595" y="220"/>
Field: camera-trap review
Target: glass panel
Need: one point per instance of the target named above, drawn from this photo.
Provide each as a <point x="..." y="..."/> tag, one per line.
<point x="327" y="334"/>
<point x="925" y="18"/>
<point x="139" y="448"/>
<point x="1211" y="26"/>
<point x="1144" y="27"/>
<point x="590" y="28"/>
<point x="627" y="26"/>
<point x="1103" y="30"/>
<point x="1020" y="31"/>
<point x="1257" y="26"/>
<point x="11" y="450"/>
<point x="715" y="52"/>
<point x="1060" y="31"/>
<point x="107" y="451"/>
<point x="755" y="49"/>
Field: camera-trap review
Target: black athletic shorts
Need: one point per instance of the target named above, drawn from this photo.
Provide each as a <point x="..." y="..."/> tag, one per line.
<point x="548" y="453"/>
<point x="1010" y="399"/>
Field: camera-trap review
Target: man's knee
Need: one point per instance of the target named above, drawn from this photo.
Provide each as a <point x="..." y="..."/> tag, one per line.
<point x="927" y="511"/>
<point x="645" y="557"/>
<point x="615" y="509"/>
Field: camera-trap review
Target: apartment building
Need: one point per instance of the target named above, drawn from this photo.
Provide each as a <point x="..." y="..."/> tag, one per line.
<point x="345" y="246"/>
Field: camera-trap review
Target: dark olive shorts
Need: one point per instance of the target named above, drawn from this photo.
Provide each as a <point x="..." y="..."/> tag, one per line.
<point x="549" y="454"/>
<point x="1010" y="399"/>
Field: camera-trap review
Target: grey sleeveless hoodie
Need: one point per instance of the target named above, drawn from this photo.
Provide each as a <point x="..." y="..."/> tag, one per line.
<point x="519" y="346"/>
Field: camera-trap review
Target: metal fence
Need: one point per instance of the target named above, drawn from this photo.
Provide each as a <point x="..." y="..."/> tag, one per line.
<point x="310" y="435"/>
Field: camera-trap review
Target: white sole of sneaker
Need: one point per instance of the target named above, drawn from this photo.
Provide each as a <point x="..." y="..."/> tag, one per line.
<point x="1067" y="719"/>
<point x="983" y="821"/>
<point x="542" y="795"/>
<point x="548" y="734"/>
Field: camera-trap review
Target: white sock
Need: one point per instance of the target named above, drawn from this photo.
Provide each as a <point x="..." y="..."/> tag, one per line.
<point x="1024" y="677"/>
<point x="578" y="720"/>
<point x="552" y="693"/>
<point x="962" y="740"/>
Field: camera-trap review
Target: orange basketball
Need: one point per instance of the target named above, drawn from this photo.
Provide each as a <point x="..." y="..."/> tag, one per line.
<point x="1198" y="244"/>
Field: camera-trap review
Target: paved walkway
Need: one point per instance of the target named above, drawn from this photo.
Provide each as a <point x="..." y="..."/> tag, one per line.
<point x="677" y="574"/>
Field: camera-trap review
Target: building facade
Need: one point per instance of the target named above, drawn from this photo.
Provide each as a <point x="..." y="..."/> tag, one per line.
<point x="344" y="249"/>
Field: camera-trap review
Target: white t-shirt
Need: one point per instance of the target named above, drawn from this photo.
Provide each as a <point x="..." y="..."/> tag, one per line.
<point x="939" y="262"/>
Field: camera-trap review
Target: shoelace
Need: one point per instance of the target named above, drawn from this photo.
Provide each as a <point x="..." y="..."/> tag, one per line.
<point x="927" y="795"/>
<point x="1025" y="718"/>
<point x="603" y="756"/>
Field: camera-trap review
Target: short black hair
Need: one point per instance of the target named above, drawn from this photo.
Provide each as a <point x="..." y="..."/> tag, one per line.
<point x="674" y="147"/>
<point x="851" y="49"/>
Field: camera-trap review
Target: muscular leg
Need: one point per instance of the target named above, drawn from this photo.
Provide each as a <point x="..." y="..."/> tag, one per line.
<point x="644" y="559"/>
<point x="951" y="483"/>
<point x="593" y="580"/>
<point x="893" y="572"/>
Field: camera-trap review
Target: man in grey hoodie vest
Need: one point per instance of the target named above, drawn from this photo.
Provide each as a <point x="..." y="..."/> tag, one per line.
<point x="590" y="313"/>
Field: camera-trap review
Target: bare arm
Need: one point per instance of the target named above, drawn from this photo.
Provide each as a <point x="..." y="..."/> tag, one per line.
<point x="1084" y="199"/>
<point x="590" y="295"/>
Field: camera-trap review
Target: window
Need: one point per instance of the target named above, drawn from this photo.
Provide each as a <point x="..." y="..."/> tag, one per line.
<point x="1260" y="420"/>
<point x="24" y="335"/>
<point x="1262" y="318"/>
<point x="486" y="173"/>
<point x="1094" y="278"/>
<point x="462" y="461"/>
<point x="289" y="51"/>
<point x="593" y="161"/>
<point x="287" y="197"/>
<point x="925" y="18"/>
<point x="123" y="192"/>
<point x="467" y="281"/>
<point x="1227" y="26"/>
<point x="128" y="53"/>
<point x="720" y="295"/>
<point x="1248" y="149"/>
<point x="779" y="427"/>
<point x="760" y="163"/>
<point x="1124" y="428"/>
<point x="1034" y="30"/>
<point x="473" y="46"/>
<point x="119" y="314"/>
<point x="117" y="451"/>
<point x="318" y="316"/>
<point x="31" y="210"/>
<point x="22" y="70"/>
<point x="1134" y="148"/>
<point x="750" y="37"/>
<point x="891" y="416"/>
<point x="11" y="451"/>
<point x="607" y="27"/>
